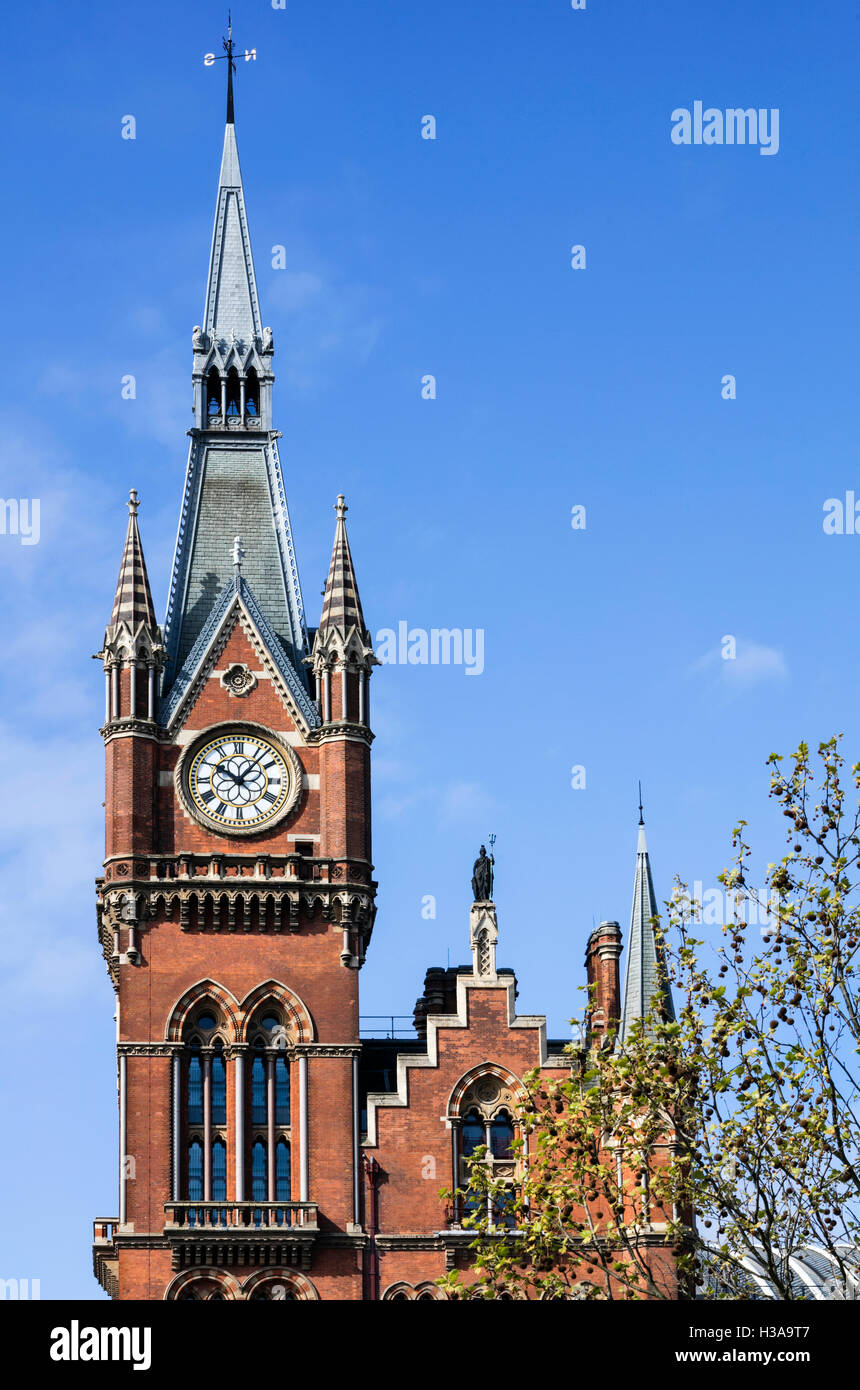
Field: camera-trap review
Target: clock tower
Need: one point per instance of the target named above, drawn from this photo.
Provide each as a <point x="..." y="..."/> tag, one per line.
<point x="237" y="899"/>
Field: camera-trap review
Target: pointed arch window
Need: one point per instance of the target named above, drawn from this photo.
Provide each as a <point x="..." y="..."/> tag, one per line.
<point x="258" y="1087"/>
<point x="213" y="392"/>
<point x="202" y="1137"/>
<point x="259" y="1172"/>
<point x="501" y="1135"/>
<point x="219" y="1085"/>
<point x="252" y="393"/>
<point x="486" y="1122"/>
<point x="219" y="1171"/>
<point x="268" y="1111"/>
<point x="234" y="394"/>
<point x="195" y="1086"/>
<point x="282" y="1091"/>
<point x="195" y="1171"/>
<point x="282" y="1171"/>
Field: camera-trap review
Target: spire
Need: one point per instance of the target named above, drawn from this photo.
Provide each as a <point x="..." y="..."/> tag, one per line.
<point x="132" y="603"/>
<point x="232" y="308"/>
<point x="132" y="638"/>
<point x="641" y="977"/>
<point x="234" y="481"/>
<point x="341" y="603"/>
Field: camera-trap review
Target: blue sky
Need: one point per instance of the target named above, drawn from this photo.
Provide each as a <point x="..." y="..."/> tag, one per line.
<point x="555" y="387"/>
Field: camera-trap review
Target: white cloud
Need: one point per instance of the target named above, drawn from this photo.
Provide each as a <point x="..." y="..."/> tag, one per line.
<point x="751" y="664"/>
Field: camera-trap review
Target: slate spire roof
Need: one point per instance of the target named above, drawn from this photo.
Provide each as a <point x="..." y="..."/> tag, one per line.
<point x="234" y="481"/>
<point x="341" y="603"/>
<point x="132" y="602"/>
<point x="232" y="306"/>
<point x="641" y="980"/>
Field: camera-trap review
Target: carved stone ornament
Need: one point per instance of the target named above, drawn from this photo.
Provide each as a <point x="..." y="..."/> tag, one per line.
<point x="238" y="679"/>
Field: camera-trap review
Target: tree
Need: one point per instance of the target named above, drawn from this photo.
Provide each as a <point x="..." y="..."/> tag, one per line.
<point x="715" y="1147"/>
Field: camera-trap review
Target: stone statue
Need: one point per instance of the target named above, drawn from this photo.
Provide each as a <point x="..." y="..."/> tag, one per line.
<point x="482" y="877"/>
<point x="267" y="340"/>
<point x="198" y="339"/>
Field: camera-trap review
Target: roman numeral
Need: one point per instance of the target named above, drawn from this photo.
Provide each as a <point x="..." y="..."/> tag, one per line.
<point x="208" y="797"/>
<point x="269" y="796"/>
<point x="238" y="747"/>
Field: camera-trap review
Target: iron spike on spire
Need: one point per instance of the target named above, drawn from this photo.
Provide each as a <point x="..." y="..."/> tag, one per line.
<point x="231" y="68"/>
<point x="641" y="819"/>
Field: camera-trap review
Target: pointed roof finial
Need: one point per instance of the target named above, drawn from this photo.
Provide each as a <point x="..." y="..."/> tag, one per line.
<point x="231" y="67"/>
<point x="341" y="603"/>
<point x="238" y="554"/>
<point x="641" y="819"/>
<point x="132" y="602"/>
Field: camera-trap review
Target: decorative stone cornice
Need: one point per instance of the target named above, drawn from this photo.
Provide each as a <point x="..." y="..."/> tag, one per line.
<point x="148" y="1049"/>
<point x="131" y="728"/>
<point x="340" y="729"/>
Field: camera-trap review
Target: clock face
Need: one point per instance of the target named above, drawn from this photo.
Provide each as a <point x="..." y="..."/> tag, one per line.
<point x="239" y="781"/>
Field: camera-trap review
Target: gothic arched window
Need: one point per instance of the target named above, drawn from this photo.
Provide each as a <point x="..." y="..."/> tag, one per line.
<point x="213" y="392"/>
<point x="233" y="392"/>
<point x="219" y="1171"/>
<point x="282" y="1091"/>
<point x="259" y="1174"/>
<point x="195" y="1086"/>
<point x="269" y="1107"/>
<point x="501" y="1135"/>
<point x="195" y="1171"/>
<point x="282" y="1171"/>
<point x="252" y="393"/>
<point x="258" y="1086"/>
<point x="486" y="1122"/>
<point x="219" y="1085"/>
<point x="472" y="1133"/>
<point x="203" y="1083"/>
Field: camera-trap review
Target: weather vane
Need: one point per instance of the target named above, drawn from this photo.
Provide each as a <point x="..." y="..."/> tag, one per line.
<point x="249" y="55"/>
<point x="641" y="821"/>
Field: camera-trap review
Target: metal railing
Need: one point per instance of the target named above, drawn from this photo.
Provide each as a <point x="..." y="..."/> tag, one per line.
<point x="237" y="1216"/>
<point x="386" y="1026"/>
